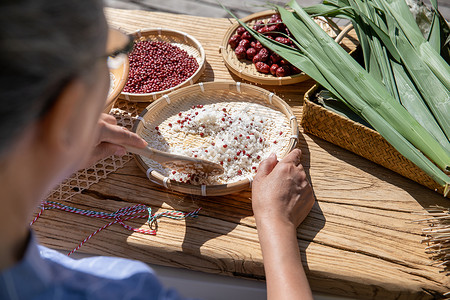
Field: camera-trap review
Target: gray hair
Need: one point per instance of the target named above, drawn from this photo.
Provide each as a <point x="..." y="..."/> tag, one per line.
<point x="43" y="44"/>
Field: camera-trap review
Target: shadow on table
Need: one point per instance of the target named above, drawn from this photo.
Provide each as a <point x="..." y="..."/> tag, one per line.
<point x="208" y="74"/>
<point x="315" y="221"/>
<point x="424" y="196"/>
<point x="218" y="215"/>
<point x="218" y="218"/>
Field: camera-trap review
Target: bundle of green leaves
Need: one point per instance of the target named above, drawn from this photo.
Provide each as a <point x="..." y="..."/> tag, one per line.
<point x="403" y="90"/>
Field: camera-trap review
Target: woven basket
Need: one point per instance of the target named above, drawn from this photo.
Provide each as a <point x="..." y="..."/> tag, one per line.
<point x="245" y="69"/>
<point x="359" y="139"/>
<point x="120" y="75"/>
<point x="209" y="93"/>
<point x="176" y="38"/>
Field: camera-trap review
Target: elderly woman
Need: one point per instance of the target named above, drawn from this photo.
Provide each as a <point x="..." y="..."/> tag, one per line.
<point x="54" y="81"/>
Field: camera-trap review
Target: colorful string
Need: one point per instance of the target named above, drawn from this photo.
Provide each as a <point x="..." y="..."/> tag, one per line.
<point x="119" y="217"/>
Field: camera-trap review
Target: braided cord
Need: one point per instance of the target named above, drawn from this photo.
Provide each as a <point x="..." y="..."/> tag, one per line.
<point x="119" y="216"/>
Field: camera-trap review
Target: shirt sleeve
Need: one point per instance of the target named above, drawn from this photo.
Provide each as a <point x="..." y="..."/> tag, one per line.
<point x="44" y="273"/>
<point x="102" y="277"/>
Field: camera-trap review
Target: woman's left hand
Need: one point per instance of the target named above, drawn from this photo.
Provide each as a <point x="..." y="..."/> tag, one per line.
<point x="110" y="139"/>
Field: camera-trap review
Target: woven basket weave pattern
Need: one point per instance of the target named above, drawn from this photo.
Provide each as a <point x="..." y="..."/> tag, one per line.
<point x="221" y="94"/>
<point x="360" y="140"/>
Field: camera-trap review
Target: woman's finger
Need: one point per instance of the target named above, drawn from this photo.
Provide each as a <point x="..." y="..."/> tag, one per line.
<point x="293" y="157"/>
<point x="117" y="135"/>
<point x="267" y="165"/>
<point x="108" y="119"/>
<point x="104" y="150"/>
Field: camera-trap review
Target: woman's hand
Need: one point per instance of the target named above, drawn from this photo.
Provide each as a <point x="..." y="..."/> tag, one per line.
<point x="281" y="200"/>
<point x="281" y="190"/>
<point x="110" y="138"/>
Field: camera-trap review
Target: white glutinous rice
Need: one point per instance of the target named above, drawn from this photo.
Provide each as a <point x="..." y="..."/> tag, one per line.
<point x="232" y="134"/>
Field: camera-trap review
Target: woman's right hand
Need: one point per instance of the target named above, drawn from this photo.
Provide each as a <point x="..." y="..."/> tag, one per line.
<point x="281" y="191"/>
<point x="281" y="200"/>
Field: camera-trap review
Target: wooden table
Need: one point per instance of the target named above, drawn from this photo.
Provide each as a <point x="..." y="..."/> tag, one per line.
<point x="357" y="241"/>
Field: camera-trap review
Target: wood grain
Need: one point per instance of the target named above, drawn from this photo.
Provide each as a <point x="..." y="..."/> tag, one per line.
<point x="358" y="240"/>
<point x="210" y="8"/>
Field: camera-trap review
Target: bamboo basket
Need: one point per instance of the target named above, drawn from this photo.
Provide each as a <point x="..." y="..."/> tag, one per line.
<point x="359" y="139"/>
<point x="245" y="69"/>
<point x="209" y="93"/>
<point x="120" y="76"/>
<point x="177" y="38"/>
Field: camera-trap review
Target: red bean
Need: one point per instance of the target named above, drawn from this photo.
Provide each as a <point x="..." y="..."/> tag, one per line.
<point x="262" y="67"/>
<point x="156" y="66"/>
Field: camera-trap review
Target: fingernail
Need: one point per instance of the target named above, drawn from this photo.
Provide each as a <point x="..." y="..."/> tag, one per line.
<point x="272" y="155"/>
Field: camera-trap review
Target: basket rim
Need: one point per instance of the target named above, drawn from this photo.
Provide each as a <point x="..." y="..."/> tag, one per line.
<point x="248" y="76"/>
<point x="308" y="97"/>
<point x="160" y="32"/>
<point x="115" y="93"/>
<point x="214" y="189"/>
<point x="418" y="175"/>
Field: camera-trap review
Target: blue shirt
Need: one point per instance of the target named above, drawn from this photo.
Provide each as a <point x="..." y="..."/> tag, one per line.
<point x="47" y="274"/>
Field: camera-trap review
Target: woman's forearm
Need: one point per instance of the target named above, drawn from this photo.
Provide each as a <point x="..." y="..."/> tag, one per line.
<point x="281" y="199"/>
<point x="285" y="275"/>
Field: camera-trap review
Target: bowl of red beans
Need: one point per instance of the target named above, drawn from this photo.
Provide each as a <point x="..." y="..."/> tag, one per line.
<point x="161" y="61"/>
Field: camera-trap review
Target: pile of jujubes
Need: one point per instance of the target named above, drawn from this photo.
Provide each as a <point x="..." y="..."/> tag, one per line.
<point x="246" y="47"/>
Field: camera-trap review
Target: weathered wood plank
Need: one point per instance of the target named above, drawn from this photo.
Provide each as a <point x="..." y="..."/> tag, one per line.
<point x="357" y="241"/>
<point x="203" y="8"/>
<point x="209" y="8"/>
